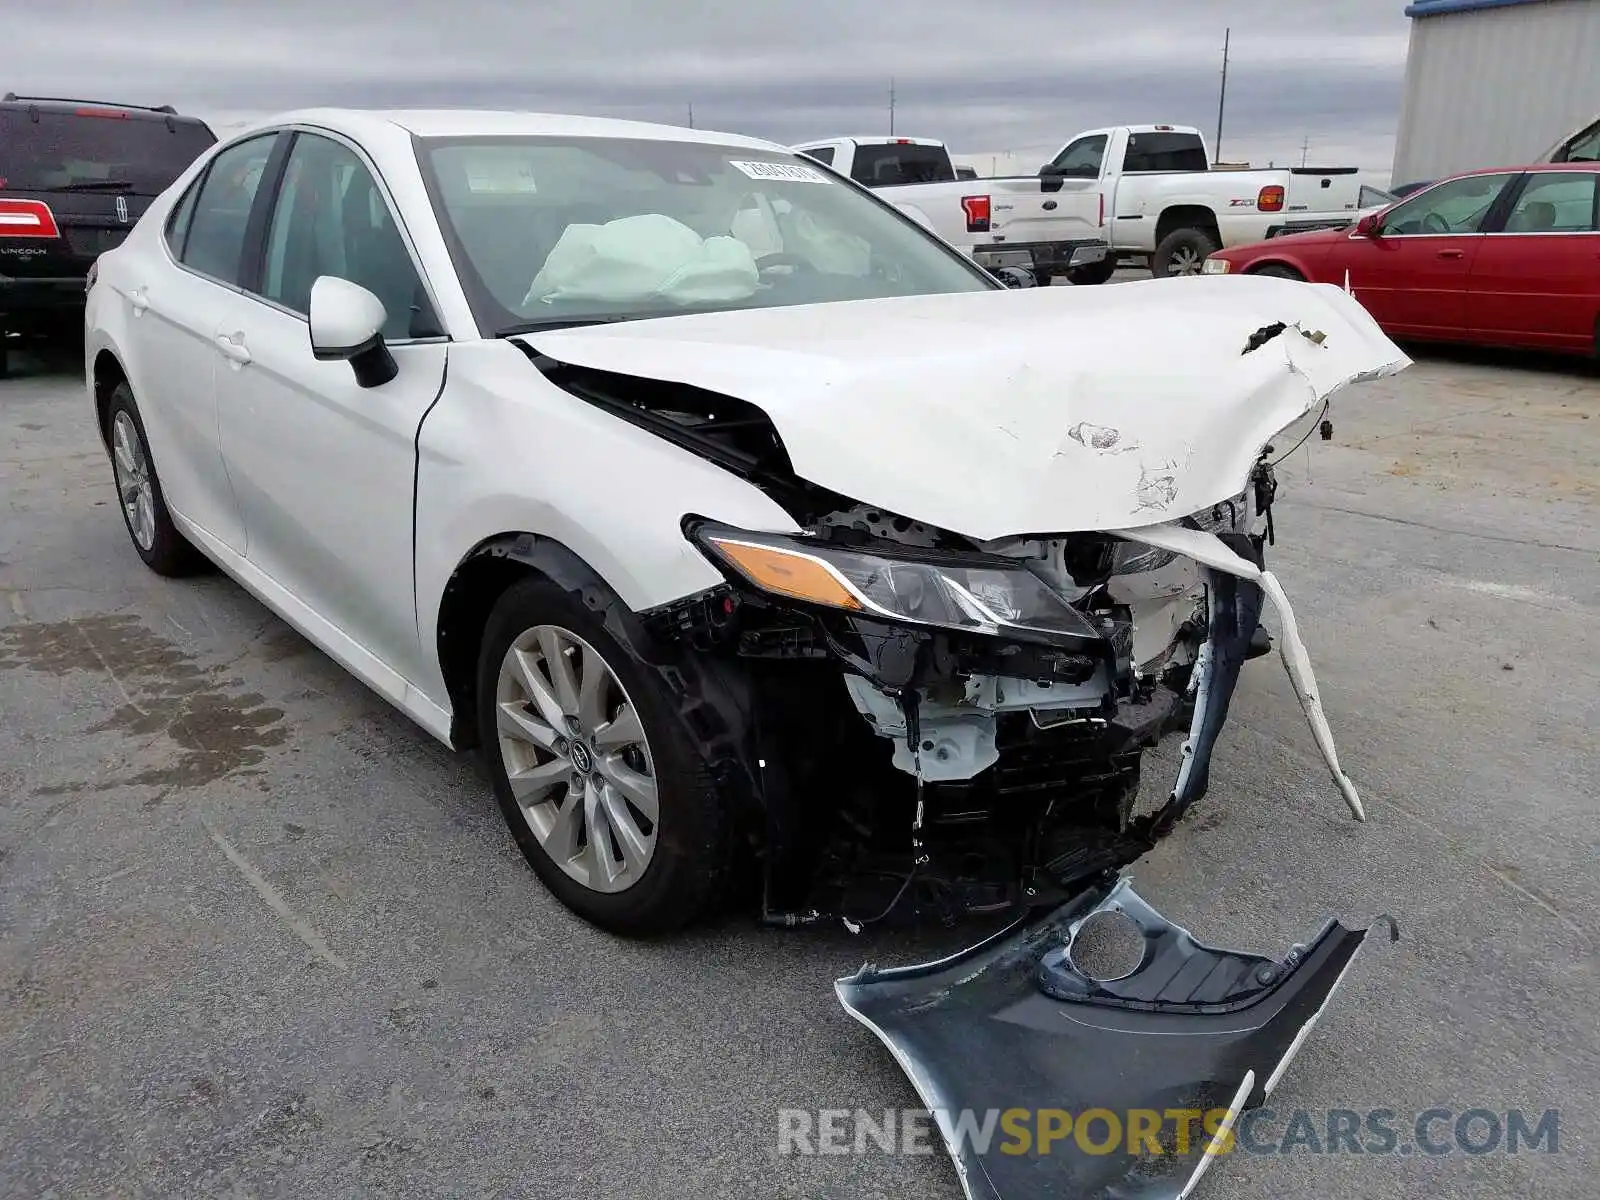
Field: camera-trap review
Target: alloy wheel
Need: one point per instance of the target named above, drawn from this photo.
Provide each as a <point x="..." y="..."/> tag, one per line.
<point x="1185" y="260"/>
<point x="577" y="758"/>
<point x="135" y="490"/>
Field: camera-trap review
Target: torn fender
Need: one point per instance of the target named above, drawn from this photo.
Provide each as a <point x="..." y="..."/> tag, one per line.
<point x="1012" y="1023"/>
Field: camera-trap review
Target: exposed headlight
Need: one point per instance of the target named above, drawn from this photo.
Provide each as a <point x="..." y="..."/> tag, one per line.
<point x="1214" y="266"/>
<point x="974" y="594"/>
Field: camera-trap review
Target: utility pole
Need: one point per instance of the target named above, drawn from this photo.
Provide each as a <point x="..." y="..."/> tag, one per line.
<point x="1222" y="96"/>
<point x="891" y="106"/>
<point x="1305" y="149"/>
<point x="691" y="114"/>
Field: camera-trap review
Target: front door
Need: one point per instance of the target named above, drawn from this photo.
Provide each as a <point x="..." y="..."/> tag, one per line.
<point x="1536" y="281"/>
<point x="324" y="468"/>
<point x="1411" y="275"/>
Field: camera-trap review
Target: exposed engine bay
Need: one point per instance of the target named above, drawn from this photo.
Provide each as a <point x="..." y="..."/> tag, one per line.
<point x="940" y="725"/>
<point x="940" y="687"/>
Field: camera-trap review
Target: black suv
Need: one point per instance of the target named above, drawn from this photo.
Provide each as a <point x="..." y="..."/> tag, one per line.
<point x="74" y="177"/>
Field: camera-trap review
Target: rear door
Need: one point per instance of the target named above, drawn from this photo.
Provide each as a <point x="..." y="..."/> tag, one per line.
<point x="1536" y="279"/>
<point x="177" y="306"/>
<point x="97" y="169"/>
<point x="1412" y="276"/>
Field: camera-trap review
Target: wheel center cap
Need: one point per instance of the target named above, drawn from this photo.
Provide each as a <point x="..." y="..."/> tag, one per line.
<point x="582" y="760"/>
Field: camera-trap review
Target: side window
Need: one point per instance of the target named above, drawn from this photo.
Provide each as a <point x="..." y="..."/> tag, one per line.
<point x="178" y="222"/>
<point x="823" y="154"/>
<point x="1082" y="157"/>
<point x="331" y="219"/>
<point x="1456" y="206"/>
<point x="1555" y="202"/>
<point x="214" y="244"/>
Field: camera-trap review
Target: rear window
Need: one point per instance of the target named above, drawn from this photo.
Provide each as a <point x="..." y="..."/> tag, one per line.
<point x="884" y="166"/>
<point x="1165" y="152"/>
<point x="65" y="151"/>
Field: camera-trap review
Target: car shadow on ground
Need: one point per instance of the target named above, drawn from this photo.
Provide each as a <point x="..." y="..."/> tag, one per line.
<point x="1512" y="360"/>
<point x="28" y="358"/>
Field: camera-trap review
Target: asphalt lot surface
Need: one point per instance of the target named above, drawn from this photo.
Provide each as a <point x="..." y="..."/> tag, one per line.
<point x="259" y="936"/>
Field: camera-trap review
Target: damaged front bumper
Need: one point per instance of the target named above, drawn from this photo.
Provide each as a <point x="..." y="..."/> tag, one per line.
<point x="1156" y="1064"/>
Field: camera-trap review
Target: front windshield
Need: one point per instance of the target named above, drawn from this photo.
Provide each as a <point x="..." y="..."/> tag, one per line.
<point x="575" y="230"/>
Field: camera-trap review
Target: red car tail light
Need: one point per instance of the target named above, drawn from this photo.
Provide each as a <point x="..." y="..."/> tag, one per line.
<point x="1270" y="199"/>
<point x="27" y="219"/>
<point x="977" y="210"/>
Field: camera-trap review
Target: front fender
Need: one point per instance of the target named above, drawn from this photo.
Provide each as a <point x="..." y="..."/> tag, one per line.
<point x="506" y="451"/>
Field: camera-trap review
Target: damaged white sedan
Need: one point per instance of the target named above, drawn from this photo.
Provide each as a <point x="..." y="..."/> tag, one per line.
<point x="736" y="518"/>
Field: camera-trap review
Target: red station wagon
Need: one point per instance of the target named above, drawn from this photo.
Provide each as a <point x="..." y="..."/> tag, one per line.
<point x="1499" y="258"/>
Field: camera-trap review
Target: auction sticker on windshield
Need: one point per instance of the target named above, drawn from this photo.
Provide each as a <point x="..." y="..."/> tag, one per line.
<point x="788" y="172"/>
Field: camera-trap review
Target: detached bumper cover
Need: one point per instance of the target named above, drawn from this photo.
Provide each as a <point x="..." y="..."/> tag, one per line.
<point x="1011" y="1024"/>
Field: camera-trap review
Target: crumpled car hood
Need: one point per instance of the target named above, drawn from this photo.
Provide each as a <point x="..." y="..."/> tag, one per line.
<point x="993" y="414"/>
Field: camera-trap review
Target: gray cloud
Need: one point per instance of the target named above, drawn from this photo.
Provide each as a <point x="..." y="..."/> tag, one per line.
<point x="1007" y="75"/>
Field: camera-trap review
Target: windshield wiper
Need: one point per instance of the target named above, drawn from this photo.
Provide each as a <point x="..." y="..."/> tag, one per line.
<point x="93" y="185"/>
<point x="560" y="323"/>
<point x="576" y="322"/>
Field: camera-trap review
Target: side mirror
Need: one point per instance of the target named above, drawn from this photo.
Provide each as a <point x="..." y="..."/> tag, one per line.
<point x="1370" y="225"/>
<point x="347" y="324"/>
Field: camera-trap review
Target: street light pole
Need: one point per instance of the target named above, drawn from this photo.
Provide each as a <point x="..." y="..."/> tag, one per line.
<point x="1222" y="96"/>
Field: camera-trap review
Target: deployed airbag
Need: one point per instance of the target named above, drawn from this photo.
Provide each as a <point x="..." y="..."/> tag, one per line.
<point x="1013" y="1026"/>
<point x="642" y="260"/>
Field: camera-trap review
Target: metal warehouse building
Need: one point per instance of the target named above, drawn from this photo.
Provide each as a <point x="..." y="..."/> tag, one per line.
<point x="1494" y="83"/>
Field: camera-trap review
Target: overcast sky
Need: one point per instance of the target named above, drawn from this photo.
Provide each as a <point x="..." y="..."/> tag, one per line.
<point x="986" y="76"/>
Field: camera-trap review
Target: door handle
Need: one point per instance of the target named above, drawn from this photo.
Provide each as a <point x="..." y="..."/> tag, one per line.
<point x="139" y="300"/>
<point x="1452" y="254"/>
<point x="233" y="348"/>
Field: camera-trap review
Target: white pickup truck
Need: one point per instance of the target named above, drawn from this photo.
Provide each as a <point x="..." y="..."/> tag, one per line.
<point x="1161" y="202"/>
<point x="1036" y="223"/>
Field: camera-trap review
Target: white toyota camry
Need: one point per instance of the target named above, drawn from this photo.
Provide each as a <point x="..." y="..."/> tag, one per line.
<point x="737" y="518"/>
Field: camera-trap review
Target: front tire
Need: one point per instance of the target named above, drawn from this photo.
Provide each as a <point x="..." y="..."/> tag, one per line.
<point x="144" y="508"/>
<point x="1279" y="272"/>
<point x="1183" y="251"/>
<point x="605" y="793"/>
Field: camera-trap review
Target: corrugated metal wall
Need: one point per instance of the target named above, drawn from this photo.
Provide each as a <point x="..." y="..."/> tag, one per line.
<point x="1496" y="87"/>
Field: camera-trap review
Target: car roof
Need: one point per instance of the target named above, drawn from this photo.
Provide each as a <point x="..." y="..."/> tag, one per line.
<point x="1526" y="169"/>
<point x="62" y="104"/>
<point x="361" y="123"/>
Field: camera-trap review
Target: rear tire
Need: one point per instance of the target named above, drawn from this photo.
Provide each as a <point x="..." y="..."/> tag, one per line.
<point x="630" y="858"/>
<point x="1183" y="251"/>
<point x="1279" y="272"/>
<point x="1094" y="273"/>
<point x="139" y="497"/>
